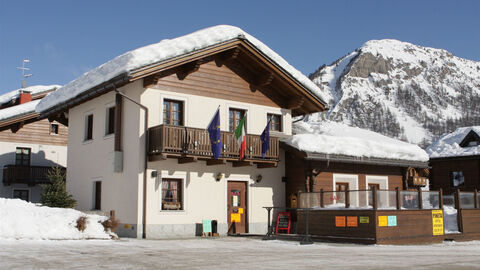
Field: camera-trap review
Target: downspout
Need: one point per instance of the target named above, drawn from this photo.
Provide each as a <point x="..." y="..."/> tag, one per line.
<point x="144" y="214"/>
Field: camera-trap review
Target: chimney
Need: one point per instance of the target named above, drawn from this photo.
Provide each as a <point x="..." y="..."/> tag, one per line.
<point x="25" y="97"/>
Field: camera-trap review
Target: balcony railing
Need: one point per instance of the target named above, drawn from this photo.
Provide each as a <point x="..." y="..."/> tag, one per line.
<point x="31" y="175"/>
<point x="178" y="140"/>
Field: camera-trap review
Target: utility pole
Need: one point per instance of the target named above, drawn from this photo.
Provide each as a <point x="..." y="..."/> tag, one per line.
<point x="24" y="76"/>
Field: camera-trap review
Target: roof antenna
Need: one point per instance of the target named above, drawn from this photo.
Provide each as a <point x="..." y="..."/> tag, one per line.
<point x="24" y="76"/>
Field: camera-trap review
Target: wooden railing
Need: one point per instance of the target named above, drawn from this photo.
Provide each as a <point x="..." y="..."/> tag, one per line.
<point x="31" y="175"/>
<point x="165" y="139"/>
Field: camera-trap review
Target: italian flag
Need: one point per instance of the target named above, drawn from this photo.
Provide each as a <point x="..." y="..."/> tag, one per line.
<point x="241" y="137"/>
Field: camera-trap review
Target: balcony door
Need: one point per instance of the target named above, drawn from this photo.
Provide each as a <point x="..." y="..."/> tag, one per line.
<point x="173" y="112"/>
<point x="22" y="156"/>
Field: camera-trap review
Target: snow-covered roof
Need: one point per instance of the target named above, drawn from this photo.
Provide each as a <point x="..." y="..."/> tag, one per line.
<point x="448" y="145"/>
<point x="165" y="50"/>
<point x="34" y="90"/>
<point x="332" y="138"/>
<point x="18" y="110"/>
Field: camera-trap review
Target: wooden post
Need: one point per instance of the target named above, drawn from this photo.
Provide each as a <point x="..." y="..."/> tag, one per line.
<point x="475" y="198"/>
<point x="374" y="198"/>
<point x="112" y="214"/>
<point x="397" y="192"/>
<point x="347" y="198"/>
<point x="440" y="198"/>
<point x="420" y="201"/>
<point x="299" y="200"/>
<point x="457" y="200"/>
<point x="322" y="203"/>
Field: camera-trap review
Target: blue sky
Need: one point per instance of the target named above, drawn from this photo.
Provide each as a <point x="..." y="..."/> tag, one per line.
<point x="64" y="39"/>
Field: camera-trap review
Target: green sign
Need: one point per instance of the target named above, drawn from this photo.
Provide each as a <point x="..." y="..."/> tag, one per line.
<point x="207" y="225"/>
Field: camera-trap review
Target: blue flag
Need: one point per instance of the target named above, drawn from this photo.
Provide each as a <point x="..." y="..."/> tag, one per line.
<point x="265" y="138"/>
<point x="214" y="132"/>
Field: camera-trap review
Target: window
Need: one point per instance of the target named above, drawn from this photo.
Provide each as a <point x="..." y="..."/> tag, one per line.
<point x="275" y="122"/>
<point x="21" y="194"/>
<point x="22" y="156"/>
<point x="88" y="127"/>
<point x="473" y="143"/>
<point x="172" y="194"/>
<point x="110" y="121"/>
<point x="172" y="112"/>
<point x="458" y="179"/>
<point x="235" y="115"/>
<point x="97" y="203"/>
<point x="53" y="128"/>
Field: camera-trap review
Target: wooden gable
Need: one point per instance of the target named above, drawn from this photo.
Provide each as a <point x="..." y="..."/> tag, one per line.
<point x="471" y="138"/>
<point x="263" y="81"/>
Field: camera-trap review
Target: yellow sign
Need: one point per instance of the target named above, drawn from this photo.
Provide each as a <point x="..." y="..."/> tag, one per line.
<point x="364" y="219"/>
<point x="437" y="222"/>
<point x="240" y="210"/>
<point x="235" y="217"/>
<point x="382" y="221"/>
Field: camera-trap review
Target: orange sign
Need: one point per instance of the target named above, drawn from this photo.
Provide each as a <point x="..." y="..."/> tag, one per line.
<point x="352" y="221"/>
<point x="339" y="221"/>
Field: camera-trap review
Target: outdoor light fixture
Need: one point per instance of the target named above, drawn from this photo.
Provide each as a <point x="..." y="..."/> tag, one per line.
<point x="219" y="176"/>
<point x="259" y="178"/>
<point x="154" y="174"/>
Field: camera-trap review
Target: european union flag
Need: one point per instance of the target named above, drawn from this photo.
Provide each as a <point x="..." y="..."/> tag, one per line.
<point x="265" y="138"/>
<point x="214" y="132"/>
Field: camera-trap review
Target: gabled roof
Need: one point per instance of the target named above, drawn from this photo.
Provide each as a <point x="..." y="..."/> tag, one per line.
<point x="455" y="144"/>
<point x="37" y="91"/>
<point x="326" y="140"/>
<point x="145" y="61"/>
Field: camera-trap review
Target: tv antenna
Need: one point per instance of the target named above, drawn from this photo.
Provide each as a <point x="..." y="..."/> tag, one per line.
<point x="24" y="76"/>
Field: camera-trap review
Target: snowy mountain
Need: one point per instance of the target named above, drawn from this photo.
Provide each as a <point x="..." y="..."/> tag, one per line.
<point x="401" y="90"/>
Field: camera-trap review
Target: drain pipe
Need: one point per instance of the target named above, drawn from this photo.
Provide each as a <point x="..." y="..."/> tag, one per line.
<point x="144" y="214"/>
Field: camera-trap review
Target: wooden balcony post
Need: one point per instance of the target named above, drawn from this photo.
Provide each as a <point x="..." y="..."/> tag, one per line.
<point x="374" y="197"/>
<point x="322" y="203"/>
<point x="420" y="200"/>
<point x="397" y="193"/>
<point x="440" y="198"/>
<point x="475" y="198"/>
<point x="458" y="205"/>
<point x="347" y="198"/>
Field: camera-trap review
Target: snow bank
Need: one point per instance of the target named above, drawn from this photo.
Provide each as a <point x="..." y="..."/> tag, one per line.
<point x="162" y="51"/>
<point x="448" y="145"/>
<point x="23" y="220"/>
<point x="13" y="111"/>
<point x="36" y="89"/>
<point x="326" y="137"/>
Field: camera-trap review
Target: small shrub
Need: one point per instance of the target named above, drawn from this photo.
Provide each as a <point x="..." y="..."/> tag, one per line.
<point x="111" y="224"/>
<point x="82" y="223"/>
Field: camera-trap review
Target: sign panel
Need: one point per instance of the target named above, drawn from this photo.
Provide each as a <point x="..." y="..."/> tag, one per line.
<point x="352" y="221"/>
<point x="364" y="219"/>
<point x="283" y="222"/>
<point x="392" y="221"/>
<point x="382" y="221"/>
<point x="207" y="225"/>
<point x="339" y="221"/>
<point x="234" y="217"/>
<point x="240" y="210"/>
<point x="437" y="222"/>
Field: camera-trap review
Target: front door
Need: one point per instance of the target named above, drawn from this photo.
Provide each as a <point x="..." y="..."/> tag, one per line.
<point x="237" y="207"/>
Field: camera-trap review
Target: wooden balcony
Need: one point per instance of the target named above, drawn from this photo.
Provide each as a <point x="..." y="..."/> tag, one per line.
<point x="190" y="144"/>
<point x="30" y="175"/>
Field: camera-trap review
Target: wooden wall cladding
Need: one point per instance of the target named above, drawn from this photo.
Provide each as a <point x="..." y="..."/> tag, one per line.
<point x="215" y="82"/>
<point x="470" y="221"/>
<point x="441" y="174"/>
<point x="37" y="133"/>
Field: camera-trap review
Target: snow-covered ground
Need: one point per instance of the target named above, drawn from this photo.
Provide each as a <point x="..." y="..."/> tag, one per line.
<point x="232" y="253"/>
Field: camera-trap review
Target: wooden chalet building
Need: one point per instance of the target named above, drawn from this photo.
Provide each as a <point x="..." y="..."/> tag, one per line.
<point x="328" y="156"/>
<point x="28" y="147"/>
<point x="455" y="160"/>
<point x="138" y="142"/>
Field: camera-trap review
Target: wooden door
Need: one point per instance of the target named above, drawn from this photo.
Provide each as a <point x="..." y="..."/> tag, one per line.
<point x="237" y="207"/>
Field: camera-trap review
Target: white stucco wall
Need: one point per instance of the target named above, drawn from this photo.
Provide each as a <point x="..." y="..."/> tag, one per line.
<point x="41" y="155"/>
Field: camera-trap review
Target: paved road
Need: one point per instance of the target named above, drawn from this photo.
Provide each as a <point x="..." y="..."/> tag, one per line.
<point x="231" y="253"/>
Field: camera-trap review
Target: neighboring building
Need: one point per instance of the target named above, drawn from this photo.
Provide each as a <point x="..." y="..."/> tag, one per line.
<point x="330" y="156"/>
<point x="181" y="83"/>
<point x="28" y="147"/>
<point x="455" y="160"/>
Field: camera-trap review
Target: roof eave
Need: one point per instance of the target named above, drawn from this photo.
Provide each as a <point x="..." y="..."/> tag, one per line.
<point x="366" y="160"/>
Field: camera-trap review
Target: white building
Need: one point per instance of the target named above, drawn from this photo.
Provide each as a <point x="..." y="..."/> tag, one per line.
<point x="166" y="185"/>
<point x="28" y="147"/>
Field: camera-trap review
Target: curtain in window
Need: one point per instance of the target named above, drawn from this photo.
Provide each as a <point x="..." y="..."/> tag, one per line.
<point x="165" y="191"/>
<point x="174" y="190"/>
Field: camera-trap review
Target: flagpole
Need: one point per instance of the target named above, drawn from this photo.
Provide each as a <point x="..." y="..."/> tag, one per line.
<point x="256" y="143"/>
<point x="212" y="118"/>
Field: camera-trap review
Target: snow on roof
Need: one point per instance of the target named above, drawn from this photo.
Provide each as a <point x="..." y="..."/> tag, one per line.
<point x="326" y="137"/>
<point x="36" y="89"/>
<point x="17" y="110"/>
<point x="448" y="145"/>
<point x="162" y="51"/>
